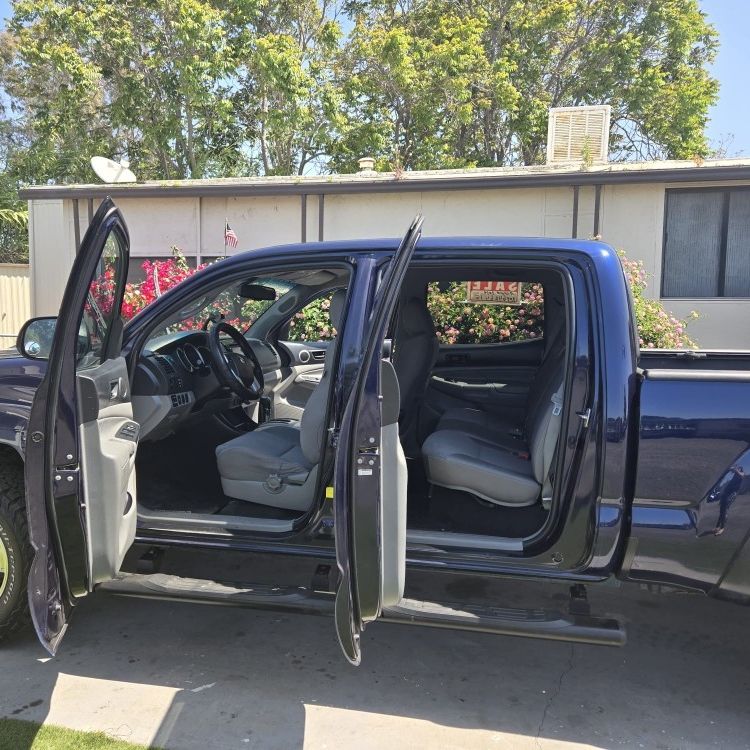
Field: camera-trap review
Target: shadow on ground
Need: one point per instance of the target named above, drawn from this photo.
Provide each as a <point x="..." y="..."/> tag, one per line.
<point x="195" y="676"/>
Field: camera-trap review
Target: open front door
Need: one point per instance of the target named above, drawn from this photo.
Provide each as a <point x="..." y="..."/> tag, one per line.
<point x="81" y="442"/>
<point x="370" y="482"/>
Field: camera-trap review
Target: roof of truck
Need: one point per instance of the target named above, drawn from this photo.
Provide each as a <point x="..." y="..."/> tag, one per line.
<point x="437" y="245"/>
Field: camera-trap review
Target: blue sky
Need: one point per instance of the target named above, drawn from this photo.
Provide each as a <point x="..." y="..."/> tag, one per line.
<point x="731" y="115"/>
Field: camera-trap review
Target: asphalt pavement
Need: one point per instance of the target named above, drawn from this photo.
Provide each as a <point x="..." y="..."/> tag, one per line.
<point x="198" y="676"/>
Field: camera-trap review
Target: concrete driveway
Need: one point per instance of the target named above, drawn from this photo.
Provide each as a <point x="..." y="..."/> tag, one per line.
<point x="195" y="676"/>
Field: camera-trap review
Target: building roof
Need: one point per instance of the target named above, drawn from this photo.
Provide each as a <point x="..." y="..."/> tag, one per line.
<point x="710" y="170"/>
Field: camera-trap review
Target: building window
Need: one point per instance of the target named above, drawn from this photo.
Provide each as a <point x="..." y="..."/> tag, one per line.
<point x="707" y="243"/>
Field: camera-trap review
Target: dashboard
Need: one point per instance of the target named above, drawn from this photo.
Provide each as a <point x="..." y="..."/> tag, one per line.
<point x="174" y="381"/>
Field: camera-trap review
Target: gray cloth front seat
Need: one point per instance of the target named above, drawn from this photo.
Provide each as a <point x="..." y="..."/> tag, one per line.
<point x="478" y="461"/>
<point x="415" y="351"/>
<point x="277" y="463"/>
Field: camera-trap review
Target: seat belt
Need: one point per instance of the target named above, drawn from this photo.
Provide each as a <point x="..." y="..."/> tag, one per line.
<point x="551" y="440"/>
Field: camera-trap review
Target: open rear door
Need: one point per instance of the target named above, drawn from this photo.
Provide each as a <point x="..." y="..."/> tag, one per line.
<point x="370" y="498"/>
<point x="81" y="443"/>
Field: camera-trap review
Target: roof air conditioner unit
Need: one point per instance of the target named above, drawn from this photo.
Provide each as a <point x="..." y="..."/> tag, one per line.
<point x="578" y="134"/>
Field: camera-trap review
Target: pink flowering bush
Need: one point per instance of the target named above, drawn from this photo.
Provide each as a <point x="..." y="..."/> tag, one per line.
<point x="313" y="323"/>
<point x="160" y="276"/>
<point x="657" y="329"/>
<point x="460" y="322"/>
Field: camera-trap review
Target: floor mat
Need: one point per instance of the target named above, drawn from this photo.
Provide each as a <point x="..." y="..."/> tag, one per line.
<point x="452" y="510"/>
<point x="172" y="477"/>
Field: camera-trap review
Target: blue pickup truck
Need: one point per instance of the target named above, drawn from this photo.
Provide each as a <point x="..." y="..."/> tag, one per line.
<point x="204" y="425"/>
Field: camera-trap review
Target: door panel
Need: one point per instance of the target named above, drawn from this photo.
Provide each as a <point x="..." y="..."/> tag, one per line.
<point x="108" y="440"/>
<point x="80" y="491"/>
<point x="368" y="461"/>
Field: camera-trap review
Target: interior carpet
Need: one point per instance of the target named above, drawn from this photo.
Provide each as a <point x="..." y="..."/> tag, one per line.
<point x="453" y="510"/>
<point x="171" y="477"/>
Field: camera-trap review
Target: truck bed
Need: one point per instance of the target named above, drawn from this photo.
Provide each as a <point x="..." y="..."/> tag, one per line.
<point x="690" y="520"/>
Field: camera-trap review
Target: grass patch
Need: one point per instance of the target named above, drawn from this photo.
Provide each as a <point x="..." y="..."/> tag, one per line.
<point x="26" y="735"/>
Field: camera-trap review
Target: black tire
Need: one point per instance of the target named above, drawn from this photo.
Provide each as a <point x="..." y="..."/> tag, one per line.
<point x="14" y="535"/>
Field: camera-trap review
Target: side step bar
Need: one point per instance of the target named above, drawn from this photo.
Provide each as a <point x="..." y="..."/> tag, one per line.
<point x="197" y="590"/>
<point x="529" y="623"/>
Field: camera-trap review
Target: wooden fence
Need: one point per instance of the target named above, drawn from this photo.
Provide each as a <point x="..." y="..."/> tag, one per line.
<point x="15" y="301"/>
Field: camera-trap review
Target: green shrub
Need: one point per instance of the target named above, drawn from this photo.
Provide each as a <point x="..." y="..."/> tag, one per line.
<point x="313" y="322"/>
<point x="460" y="322"/>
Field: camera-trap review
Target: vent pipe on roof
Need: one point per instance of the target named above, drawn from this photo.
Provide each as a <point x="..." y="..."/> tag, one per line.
<point x="366" y="165"/>
<point x="578" y="134"/>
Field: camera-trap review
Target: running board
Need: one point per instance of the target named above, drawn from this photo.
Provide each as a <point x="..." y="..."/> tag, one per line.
<point x="197" y="590"/>
<point x="529" y="623"/>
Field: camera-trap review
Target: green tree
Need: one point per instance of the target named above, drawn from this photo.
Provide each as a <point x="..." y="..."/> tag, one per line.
<point x="138" y="78"/>
<point x="202" y="88"/>
<point x="438" y="83"/>
<point x="286" y="97"/>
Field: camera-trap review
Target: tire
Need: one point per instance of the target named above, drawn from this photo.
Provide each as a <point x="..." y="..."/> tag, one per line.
<point x="15" y="550"/>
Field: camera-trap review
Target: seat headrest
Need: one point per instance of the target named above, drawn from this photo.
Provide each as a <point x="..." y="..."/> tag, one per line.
<point x="336" y="310"/>
<point x="416" y="318"/>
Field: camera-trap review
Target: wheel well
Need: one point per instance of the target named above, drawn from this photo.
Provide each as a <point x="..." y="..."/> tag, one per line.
<point x="9" y="456"/>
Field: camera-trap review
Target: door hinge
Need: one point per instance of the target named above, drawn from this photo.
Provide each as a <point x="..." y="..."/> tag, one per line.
<point x="66" y="481"/>
<point x="584" y="416"/>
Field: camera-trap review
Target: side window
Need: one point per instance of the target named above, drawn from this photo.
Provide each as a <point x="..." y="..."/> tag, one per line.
<point x="99" y="311"/>
<point x="486" y="312"/>
<point x="313" y="321"/>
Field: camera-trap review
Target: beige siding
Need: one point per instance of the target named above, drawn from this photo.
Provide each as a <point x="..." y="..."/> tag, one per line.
<point x="15" y="301"/>
<point x="631" y="219"/>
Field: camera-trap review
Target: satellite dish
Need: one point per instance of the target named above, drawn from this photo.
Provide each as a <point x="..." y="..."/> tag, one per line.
<point x="111" y="171"/>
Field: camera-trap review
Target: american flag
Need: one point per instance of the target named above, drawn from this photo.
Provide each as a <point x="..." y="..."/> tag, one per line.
<point x="230" y="238"/>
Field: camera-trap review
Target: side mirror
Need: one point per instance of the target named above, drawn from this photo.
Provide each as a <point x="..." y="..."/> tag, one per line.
<point x="35" y="338"/>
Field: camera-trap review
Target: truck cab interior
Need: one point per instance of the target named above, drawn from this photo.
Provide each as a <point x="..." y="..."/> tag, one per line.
<point x="484" y="394"/>
<point x="233" y="403"/>
<point x="477" y="402"/>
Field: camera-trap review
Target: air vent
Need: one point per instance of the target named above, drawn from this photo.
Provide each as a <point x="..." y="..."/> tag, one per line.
<point x="168" y="366"/>
<point x="578" y="134"/>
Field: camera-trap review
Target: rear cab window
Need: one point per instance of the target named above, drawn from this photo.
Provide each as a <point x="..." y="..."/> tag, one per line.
<point x="486" y="312"/>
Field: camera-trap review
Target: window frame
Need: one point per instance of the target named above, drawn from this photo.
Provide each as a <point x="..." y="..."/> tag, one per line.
<point x="727" y="191"/>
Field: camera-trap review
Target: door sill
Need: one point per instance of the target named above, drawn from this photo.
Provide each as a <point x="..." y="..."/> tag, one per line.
<point x="210" y="523"/>
<point x="424" y="538"/>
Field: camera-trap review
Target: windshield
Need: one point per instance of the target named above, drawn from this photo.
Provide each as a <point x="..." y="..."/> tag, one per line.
<point x="227" y="304"/>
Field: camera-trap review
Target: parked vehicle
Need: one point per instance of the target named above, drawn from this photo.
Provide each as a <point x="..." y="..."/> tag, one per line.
<point x="200" y="425"/>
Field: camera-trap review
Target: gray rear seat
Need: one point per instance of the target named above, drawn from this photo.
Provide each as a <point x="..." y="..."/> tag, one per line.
<point x="497" y="460"/>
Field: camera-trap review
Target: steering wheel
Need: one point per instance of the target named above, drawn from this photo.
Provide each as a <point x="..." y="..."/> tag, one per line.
<point x="241" y="373"/>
